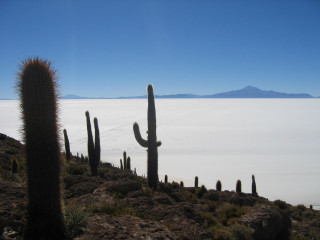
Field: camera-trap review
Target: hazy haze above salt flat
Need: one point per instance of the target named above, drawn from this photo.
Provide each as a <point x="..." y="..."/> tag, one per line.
<point x="228" y="139"/>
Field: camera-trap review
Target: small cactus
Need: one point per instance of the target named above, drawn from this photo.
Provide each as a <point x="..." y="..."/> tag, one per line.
<point x="67" y="144"/>
<point x="219" y="186"/>
<point x="254" y="187"/>
<point x="181" y="184"/>
<point x="128" y="163"/>
<point x="121" y="165"/>
<point x="166" y="179"/>
<point x="238" y="187"/>
<point x="151" y="143"/>
<point x="14" y="165"/>
<point x="196" y="180"/>
<point x="124" y="160"/>
<point x="37" y="90"/>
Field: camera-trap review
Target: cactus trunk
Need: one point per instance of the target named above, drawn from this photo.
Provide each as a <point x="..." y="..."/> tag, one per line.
<point x="97" y="148"/>
<point x="67" y="144"/>
<point x="39" y="112"/>
<point x="90" y="145"/>
<point x="152" y="144"/>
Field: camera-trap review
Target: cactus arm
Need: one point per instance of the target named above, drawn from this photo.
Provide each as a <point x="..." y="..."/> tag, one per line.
<point x="159" y="143"/>
<point x="140" y="140"/>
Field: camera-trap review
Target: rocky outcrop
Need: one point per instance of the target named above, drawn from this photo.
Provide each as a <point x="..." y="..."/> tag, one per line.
<point x="269" y="223"/>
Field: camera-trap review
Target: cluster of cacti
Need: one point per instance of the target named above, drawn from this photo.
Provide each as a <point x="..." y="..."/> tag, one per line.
<point x="37" y="83"/>
<point x="126" y="162"/>
<point x="238" y="187"/>
<point x="218" y="185"/>
<point x="196" y="181"/>
<point x="67" y="145"/>
<point x="93" y="148"/>
<point x="151" y="143"/>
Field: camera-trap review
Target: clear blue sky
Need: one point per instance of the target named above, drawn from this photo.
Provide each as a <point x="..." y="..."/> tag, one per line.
<point x="115" y="48"/>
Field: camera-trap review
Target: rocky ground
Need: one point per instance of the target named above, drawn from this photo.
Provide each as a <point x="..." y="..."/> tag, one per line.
<point x="119" y="205"/>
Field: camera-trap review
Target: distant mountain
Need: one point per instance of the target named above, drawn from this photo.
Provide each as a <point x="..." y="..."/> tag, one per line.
<point x="253" y="92"/>
<point x="5" y="99"/>
<point x="247" y="92"/>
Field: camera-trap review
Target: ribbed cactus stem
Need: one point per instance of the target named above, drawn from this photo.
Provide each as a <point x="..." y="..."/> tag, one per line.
<point x="152" y="144"/>
<point x="254" y="187"/>
<point x="238" y="187"/>
<point x="37" y="83"/>
<point x="97" y="148"/>
<point x="67" y="144"/>
<point x="90" y="144"/>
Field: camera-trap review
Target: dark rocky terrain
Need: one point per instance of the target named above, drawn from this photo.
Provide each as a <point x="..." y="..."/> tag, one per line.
<point x="119" y="205"/>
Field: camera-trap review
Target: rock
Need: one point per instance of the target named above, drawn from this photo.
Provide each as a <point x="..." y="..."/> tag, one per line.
<point x="123" y="187"/>
<point x="124" y="227"/>
<point x="269" y="223"/>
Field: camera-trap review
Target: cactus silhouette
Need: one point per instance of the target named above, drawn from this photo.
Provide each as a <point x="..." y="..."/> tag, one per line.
<point x="181" y="184"/>
<point x="218" y="185"/>
<point x="151" y="143"/>
<point x="253" y="186"/>
<point x="124" y="160"/>
<point x="37" y="90"/>
<point x="196" y="180"/>
<point x="121" y="165"/>
<point x="90" y="145"/>
<point x="67" y="144"/>
<point x="238" y="186"/>
<point x="97" y="148"/>
<point x="166" y="179"/>
<point x="128" y="163"/>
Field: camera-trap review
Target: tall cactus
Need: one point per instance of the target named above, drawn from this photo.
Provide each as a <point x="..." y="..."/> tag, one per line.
<point x="38" y="96"/>
<point x="67" y="144"/>
<point x="97" y="148"/>
<point x="253" y="186"/>
<point x="151" y="143"/>
<point x="90" y="144"/>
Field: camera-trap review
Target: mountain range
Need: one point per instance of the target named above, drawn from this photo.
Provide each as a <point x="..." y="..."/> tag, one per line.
<point x="247" y="92"/>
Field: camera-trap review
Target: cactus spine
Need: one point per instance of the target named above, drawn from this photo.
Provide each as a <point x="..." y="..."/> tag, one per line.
<point x="36" y="84"/>
<point x="219" y="186"/>
<point x="67" y="144"/>
<point x="238" y="186"/>
<point x="253" y="186"/>
<point x="151" y="143"/>
<point x="196" y="180"/>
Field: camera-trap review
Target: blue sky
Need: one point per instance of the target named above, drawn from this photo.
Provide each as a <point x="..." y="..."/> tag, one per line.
<point x="115" y="48"/>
